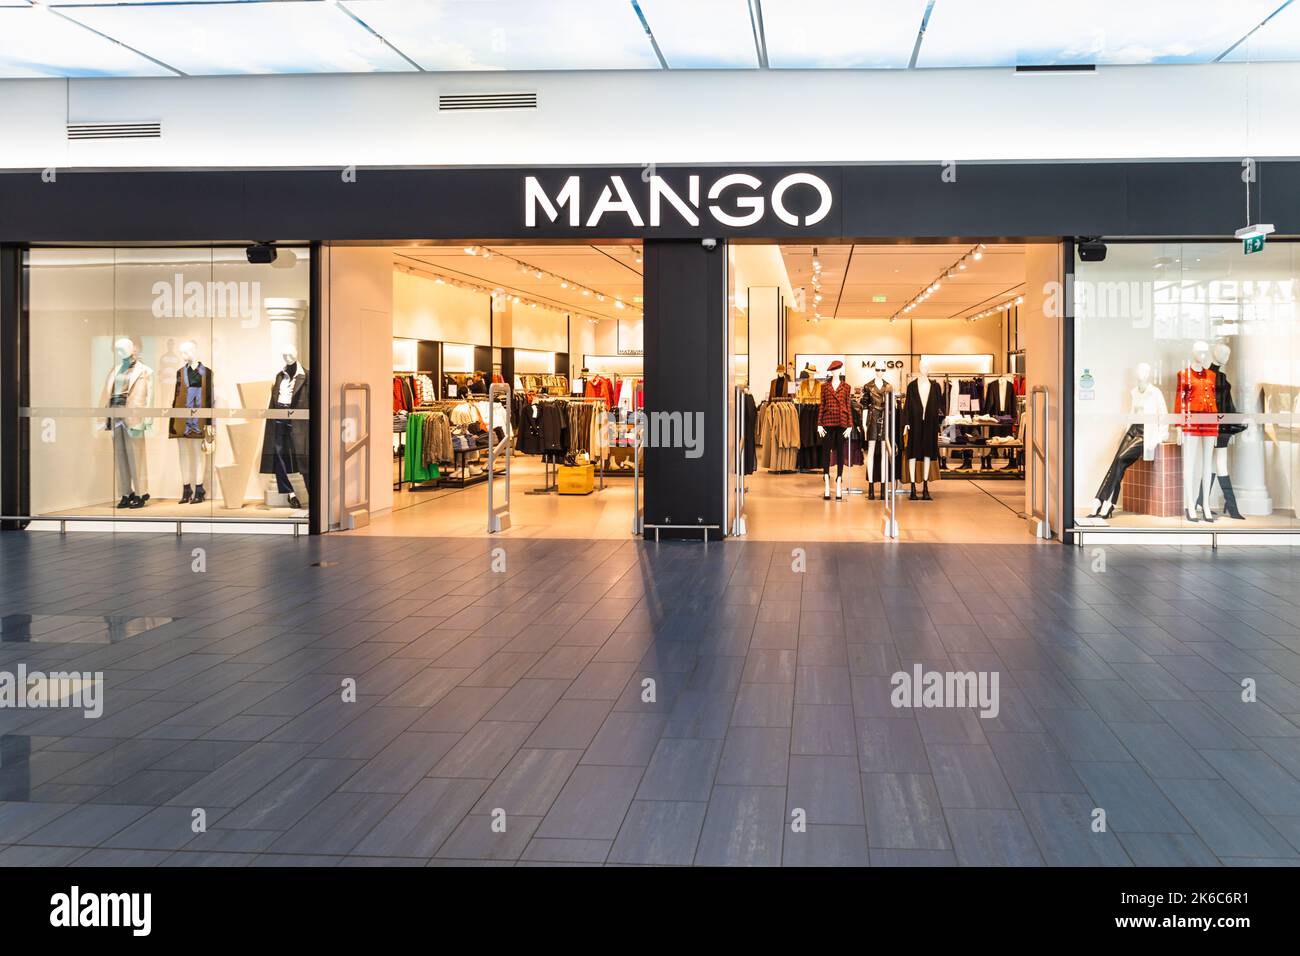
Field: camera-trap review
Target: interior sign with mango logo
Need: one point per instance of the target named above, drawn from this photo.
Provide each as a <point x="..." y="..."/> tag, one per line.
<point x="734" y="200"/>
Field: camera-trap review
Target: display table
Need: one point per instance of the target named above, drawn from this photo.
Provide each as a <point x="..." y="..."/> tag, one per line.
<point x="1156" y="487"/>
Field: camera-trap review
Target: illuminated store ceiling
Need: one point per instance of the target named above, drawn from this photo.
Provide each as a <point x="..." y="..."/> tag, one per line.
<point x="82" y="38"/>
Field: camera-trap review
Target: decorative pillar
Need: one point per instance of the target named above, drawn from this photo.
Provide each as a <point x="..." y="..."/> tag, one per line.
<point x="1247" y="367"/>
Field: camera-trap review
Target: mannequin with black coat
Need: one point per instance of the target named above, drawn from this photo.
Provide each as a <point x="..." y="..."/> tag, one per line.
<point x="922" y="417"/>
<point x="285" y="443"/>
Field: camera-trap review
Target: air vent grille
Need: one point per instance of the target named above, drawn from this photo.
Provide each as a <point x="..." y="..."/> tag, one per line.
<point x="114" y="130"/>
<point x="487" y="101"/>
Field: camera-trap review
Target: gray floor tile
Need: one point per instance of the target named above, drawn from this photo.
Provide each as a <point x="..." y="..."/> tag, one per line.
<point x="626" y="740"/>
<point x="592" y="804"/>
<point x="827" y="789"/>
<point x="755" y="756"/>
<point x="662" y="832"/>
<point x="891" y="745"/>
<point x="423" y="819"/>
<point x="763" y="705"/>
<point x="744" y="826"/>
<point x="903" y="812"/>
<point x="1033" y="763"/>
<point x="1062" y="825"/>
<point x="992" y="838"/>
<point x="968" y="776"/>
<point x="682" y="768"/>
<point x="1227" y="824"/>
<point x="484" y="750"/>
<point x="530" y="783"/>
<point x="827" y="845"/>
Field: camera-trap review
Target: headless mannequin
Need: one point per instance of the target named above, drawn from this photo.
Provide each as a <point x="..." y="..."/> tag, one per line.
<point x="1133" y="444"/>
<point x="1198" y="450"/>
<point x="879" y="382"/>
<point x="833" y="381"/>
<point x="282" y="429"/>
<point x="1221" y="353"/>
<point x="129" y="383"/>
<point x="190" y="449"/>
<point x="1005" y="388"/>
<point x="925" y="388"/>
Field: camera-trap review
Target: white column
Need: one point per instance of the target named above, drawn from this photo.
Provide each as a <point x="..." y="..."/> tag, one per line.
<point x="286" y="317"/>
<point x="1249" y="363"/>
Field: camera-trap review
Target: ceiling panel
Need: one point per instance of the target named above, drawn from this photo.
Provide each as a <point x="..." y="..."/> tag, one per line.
<point x="204" y="39"/>
<point x="612" y="271"/>
<point x="841" y="34"/>
<point x="854" y="277"/>
<point x="1036" y="32"/>
<point x="695" y="35"/>
<point x="37" y="42"/>
<point x="512" y="34"/>
<point x="1278" y="39"/>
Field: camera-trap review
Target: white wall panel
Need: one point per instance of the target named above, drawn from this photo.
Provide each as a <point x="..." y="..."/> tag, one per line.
<point x="664" y="117"/>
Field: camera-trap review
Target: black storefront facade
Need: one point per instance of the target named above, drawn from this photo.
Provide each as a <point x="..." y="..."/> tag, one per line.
<point x="685" y="216"/>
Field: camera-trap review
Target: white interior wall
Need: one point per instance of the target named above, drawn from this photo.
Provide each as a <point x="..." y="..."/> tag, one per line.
<point x="681" y="116"/>
<point x="906" y="336"/>
<point x="1041" y="328"/>
<point x="358" y="306"/>
<point x="424" y="309"/>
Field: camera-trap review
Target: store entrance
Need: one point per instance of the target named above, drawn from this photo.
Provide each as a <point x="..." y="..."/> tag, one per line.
<point x="437" y="332"/>
<point x="850" y="355"/>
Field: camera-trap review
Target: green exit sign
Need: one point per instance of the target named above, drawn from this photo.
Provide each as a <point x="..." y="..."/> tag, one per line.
<point x="1252" y="244"/>
<point x="877" y="298"/>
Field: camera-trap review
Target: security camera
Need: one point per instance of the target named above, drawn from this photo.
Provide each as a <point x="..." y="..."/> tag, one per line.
<point x="709" y="243"/>
<point x="1092" y="250"/>
<point x="261" y="254"/>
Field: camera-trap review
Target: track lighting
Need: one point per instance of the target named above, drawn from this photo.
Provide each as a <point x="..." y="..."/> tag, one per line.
<point x="471" y="250"/>
<point x="977" y="255"/>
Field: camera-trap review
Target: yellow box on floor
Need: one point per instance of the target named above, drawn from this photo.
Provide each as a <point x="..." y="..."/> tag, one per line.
<point x="576" y="479"/>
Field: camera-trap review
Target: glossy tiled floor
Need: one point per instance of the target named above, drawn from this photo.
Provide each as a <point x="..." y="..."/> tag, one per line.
<point x="519" y="691"/>
<point x="777" y="507"/>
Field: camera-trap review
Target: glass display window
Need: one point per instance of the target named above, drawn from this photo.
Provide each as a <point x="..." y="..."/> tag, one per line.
<point x="1186" y="388"/>
<point x="168" y="382"/>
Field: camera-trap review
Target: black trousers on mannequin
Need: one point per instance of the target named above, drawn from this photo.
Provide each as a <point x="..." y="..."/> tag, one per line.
<point x="831" y="441"/>
<point x="1129" y="451"/>
<point x="282" y="449"/>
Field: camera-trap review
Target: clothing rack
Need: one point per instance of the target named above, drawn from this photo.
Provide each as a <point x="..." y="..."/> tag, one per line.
<point x="551" y="469"/>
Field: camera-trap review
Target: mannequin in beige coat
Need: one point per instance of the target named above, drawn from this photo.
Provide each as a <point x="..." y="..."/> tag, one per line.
<point x="129" y="385"/>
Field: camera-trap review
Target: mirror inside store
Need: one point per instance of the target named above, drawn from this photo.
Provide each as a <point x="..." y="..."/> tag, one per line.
<point x="448" y="327"/>
<point x="858" y="363"/>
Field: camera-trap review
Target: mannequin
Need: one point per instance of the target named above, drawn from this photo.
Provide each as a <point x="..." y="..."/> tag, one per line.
<point x="1195" y="401"/>
<point x="193" y="389"/>
<point x="285" y="444"/>
<point x="1145" y="401"/>
<point x="129" y="385"/>
<point x="1000" y="400"/>
<point x="875" y="394"/>
<point x="834" y="420"/>
<point x="810" y="387"/>
<point x="1223" y="399"/>
<point x="778" y="387"/>
<point x="922" y="416"/>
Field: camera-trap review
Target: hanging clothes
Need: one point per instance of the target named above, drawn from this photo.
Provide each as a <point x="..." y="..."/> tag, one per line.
<point x="749" y="412"/>
<point x="777" y="435"/>
<point x="923" y="418"/>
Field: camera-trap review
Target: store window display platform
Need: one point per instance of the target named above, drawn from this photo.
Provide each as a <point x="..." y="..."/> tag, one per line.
<point x="522" y="688"/>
